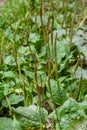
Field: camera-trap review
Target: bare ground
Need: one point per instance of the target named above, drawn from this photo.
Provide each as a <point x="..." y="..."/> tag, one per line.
<point x="3" y="2"/>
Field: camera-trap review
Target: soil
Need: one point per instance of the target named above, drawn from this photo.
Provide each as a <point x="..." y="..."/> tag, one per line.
<point x="3" y="2"/>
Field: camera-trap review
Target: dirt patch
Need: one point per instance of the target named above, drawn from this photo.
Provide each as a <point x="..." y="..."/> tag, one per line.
<point x="3" y="2"/>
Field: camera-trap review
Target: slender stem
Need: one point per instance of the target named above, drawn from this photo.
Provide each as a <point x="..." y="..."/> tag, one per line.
<point x="80" y="84"/>
<point x="9" y="105"/>
<point x="22" y="81"/>
<point x="72" y="27"/>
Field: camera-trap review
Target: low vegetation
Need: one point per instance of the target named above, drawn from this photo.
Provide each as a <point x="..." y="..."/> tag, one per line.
<point x="43" y="65"/>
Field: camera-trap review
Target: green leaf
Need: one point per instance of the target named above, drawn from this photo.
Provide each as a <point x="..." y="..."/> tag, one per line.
<point x="58" y="93"/>
<point x="34" y="37"/>
<point x="31" y="116"/>
<point x="9" y="34"/>
<point x="10" y="75"/>
<point x="7" y="87"/>
<point x="81" y="72"/>
<point x="9" y="60"/>
<point x="13" y="99"/>
<point x="70" y="106"/>
<point x="17" y="124"/>
<point x="62" y="49"/>
<point x="9" y="124"/>
<point x="6" y="124"/>
<point x="28" y="73"/>
<point x="70" y="111"/>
